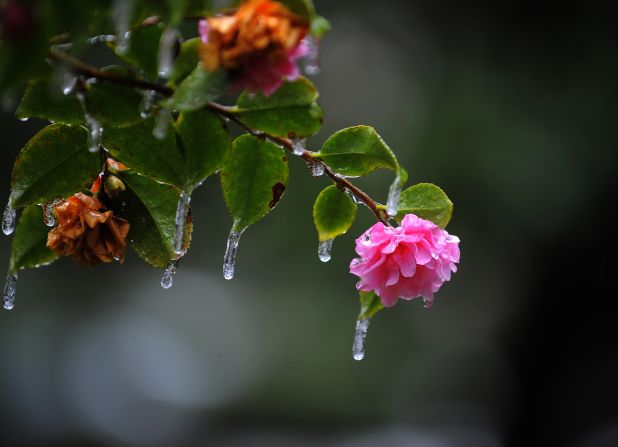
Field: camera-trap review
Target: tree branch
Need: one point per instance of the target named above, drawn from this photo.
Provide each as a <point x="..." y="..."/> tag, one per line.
<point x="343" y="183"/>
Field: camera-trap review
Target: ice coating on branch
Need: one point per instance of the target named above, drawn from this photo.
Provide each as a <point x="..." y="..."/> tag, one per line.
<point x="8" y="219"/>
<point x="122" y="12"/>
<point x="409" y="261"/>
<point x="95" y="130"/>
<point x="298" y="146"/>
<point x="316" y="168"/>
<point x="311" y="60"/>
<point x="10" y="288"/>
<point x="167" y="280"/>
<point x="259" y="45"/>
<point x="181" y="217"/>
<point x="358" y="346"/>
<point x="392" y="201"/>
<point x="229" y="260"/>
<point x="145" y="107"/>
<point x="324" y="249"/>
<point x="161" y="124"/>
<point x="167" y="50"/>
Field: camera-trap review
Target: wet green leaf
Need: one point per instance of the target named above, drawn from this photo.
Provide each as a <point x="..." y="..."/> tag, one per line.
<point x="29" y="248"/>
<point x="333" y="213"/>
<point x="206" y="143"/>
<point x="357" y="151"/>
<point x="44" y="99"/>
<point x="150" y="208"/>
<point x="290" y="111"/>
<point x="143" y="49"/>
<point x="253" y="179"/>
<point x="186" y="61"/>
<point x="54" y="163"/>
<point x="427" y="201"/>
<point x="370" y="304"/>
<point x="197" y="89"/>
<point x="112" y="104"/>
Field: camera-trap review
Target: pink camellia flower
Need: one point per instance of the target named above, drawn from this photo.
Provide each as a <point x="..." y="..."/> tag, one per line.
<point x="409" y="261"/>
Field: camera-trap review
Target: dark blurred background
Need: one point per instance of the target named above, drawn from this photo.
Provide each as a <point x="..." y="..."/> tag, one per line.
<point x="511" y="108"/>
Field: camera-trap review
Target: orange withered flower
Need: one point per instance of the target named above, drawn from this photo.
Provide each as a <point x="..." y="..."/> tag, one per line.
<point x="87" y="231"/>
<point x="258" y="44"/>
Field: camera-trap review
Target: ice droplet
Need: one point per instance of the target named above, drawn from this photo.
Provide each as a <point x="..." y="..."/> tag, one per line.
<point x="122" y="12"/>
<point x="298" y="146"/>
<point x="229" y="260"/>
<point x="312" y="59"/>
<point x="95" y="130"/>
<point x="316" y="168"/>
<point x="166" y="51"/>
<point x="8" y="219"/>
<point x="324" y="250"/>
<point x="145" y="107"/>
<point x="23" y="120"/>
<point x="392" y="201"/>
<point x="103" y="38"/>
<point x="9" y="290"/>
<point x="161" y="124"/>
<point x="48" y="213"/>
<point x="168" y="276"/>
<point x="69" y="81"/>
<point x="427" y="302"/>
<point x="358" y="346"/>
<point x="181" y="216"/>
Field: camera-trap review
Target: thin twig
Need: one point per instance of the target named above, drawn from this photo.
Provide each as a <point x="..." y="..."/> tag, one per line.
<point x="223" y="111"/>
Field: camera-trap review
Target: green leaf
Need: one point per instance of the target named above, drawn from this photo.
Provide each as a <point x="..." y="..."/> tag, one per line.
<point x="150" y="208"/>
<point x="136" y="147"/>
<point x="44" y="99"/>
<point x="319" y="26"/>
<point x="370" y="304"/>
<point x="427" y="201"/>
<point x="54" y="163"/>
<point x="290" y="111"/>
<point x="303" y="8"/>
<point x="186" y="61"/>
<point x="253" y="179"/>
<point x="113" y="104"/>
<point x="206" y="143"/>
<point x="29" y="248"/>
<point x="143" y="49"/>
<point x="197" y="89"/>
<point x="357" y="151"/>
<point x="333" y="213"/>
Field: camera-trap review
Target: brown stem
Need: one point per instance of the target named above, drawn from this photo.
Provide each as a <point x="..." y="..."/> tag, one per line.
<point x="223" y="111"/>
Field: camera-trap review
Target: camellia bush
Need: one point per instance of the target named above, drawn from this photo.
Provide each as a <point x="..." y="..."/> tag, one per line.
<point x="127" y="144"/>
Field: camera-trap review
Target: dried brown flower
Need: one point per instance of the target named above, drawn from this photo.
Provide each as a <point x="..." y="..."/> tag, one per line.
<point x="87" y="231"/>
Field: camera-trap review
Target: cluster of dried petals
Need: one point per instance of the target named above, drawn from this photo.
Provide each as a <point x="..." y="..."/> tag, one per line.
<point x="258" y="44"/>
<point x="87" y="231"/>
<point x="409" y="261"/>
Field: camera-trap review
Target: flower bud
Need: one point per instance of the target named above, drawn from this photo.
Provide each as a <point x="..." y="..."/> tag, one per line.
<point x="113" y="186"/>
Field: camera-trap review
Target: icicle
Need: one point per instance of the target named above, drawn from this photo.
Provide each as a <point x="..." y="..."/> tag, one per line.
<point x="229" y="260"/>
<point x="9" y="290"/>
<point x="168" y="276"/>
<point x="181" y="217"/>
<point x="324" y="250"/>
<point x="316" y="168"/>
<point x="427" y="302"/>
<point x="392" y="202"/>
<point x="298" y="146"/>
<point x="358" y="347"/>
<point x="312" y="59"/>
<point x="145" y="107"/>
<point x="122" y="11"/>
<point x="8" y="219"/>
<point x="162" y="123"/>
<point x="69" y="81"/>
<point x="355" y="199"/>
<point x="167" y="47"/>
<point x="95" y="130"/>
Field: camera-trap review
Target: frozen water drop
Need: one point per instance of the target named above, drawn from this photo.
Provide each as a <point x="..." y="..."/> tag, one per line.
<point x="167" y="280"/>
<point x="103" y="38"/>
<point x="181" y="216"/>
<point x="48" y="213"/>
<point x="298" y="146"/>
<point x="69" y="81"/>
<point x="95" y="130"/>
<point x="316" y="167"/>
<point x="392" y="202"/>
<point x="427" y="302"/>
<point x="9" y="291"/>
<point x="145" y="107"/>
<point x="229" y="260"/>
<point x="122" y="12"/>
<point x="324" y="250"/>
<point x="167" y="47"/>
<point x="311" y="61"/>
<point x="23" y="119"/>
<point x="8" y="219"/>
<point x="161" y="124"/>
<point x="358" y="346"/>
